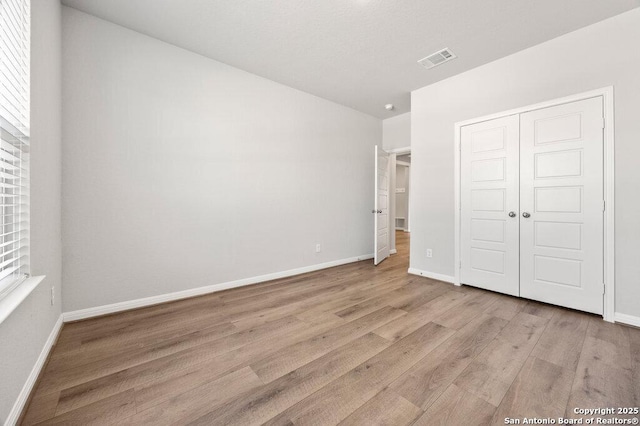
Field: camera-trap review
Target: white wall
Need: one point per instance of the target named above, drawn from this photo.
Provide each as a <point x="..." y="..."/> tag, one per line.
<point x="396" y="132"/>
<point x="24" y="332"/>
<point x="607" y="53"/>
<point x="181" y="172"/>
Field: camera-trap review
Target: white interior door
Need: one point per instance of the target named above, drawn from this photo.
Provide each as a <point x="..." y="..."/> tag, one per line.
<point x="561" y="231"/>
<point x="489" y="197"/>
<point x="381" y="208"/>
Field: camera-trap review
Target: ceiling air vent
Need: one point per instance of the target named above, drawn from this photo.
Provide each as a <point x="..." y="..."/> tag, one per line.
<point x="437" y="58"/>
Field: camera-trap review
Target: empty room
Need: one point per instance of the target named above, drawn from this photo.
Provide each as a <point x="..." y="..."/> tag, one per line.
<point x="297" y="212"/>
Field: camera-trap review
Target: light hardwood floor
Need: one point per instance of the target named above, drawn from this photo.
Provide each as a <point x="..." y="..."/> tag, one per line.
<point x="352" y="345"/>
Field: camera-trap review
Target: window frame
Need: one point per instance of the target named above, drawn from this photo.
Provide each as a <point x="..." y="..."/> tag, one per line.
<point x="15" y="78"/>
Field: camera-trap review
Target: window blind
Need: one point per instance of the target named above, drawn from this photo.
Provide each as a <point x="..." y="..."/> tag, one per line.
<point x="14" y="142"/>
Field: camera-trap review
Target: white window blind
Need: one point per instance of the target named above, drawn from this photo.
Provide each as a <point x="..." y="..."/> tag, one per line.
<point x="14" y="142"/>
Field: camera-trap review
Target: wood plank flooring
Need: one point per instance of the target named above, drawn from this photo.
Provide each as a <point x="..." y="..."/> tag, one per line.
<point x="351" y="345"/>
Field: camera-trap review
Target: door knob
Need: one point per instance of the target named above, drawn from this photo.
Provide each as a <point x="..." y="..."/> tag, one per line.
<point x="526" y="215"/>
<point x="512" y="214"/>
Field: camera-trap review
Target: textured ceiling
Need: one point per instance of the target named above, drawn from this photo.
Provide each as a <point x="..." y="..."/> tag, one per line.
<point x="359" y="53"/>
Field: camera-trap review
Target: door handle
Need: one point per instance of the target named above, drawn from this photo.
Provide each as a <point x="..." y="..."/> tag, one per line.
<point x="376" y="211"/>
<point x="512" y="214"/>
<point x="526" y="215"/>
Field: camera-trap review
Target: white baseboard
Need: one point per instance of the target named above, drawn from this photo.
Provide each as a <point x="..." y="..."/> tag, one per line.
<point x="18" y="406"/>
<point x="627" y="319"/>
<point x="432" y="275"/>
<point x="393" y="251"/>
<point x="168" y="297"/>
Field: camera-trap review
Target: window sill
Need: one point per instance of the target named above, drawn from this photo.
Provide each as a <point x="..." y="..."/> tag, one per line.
<point x="17" y="296"/>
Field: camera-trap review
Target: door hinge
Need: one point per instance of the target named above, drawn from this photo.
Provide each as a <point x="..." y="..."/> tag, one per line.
<point x="604" y="288"/>
<point x="604" y="205"/>
<point x="460" y="265"/>
<point x="604" y="123"/>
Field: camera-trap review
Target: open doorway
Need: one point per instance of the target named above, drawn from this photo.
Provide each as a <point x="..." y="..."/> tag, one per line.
<point x="392" y="202"/>
<point x="400" y="196"/>
<point x="402" y="193"/>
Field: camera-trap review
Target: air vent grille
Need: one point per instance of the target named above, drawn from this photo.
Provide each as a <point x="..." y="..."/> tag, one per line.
<point x="437" y="58"/>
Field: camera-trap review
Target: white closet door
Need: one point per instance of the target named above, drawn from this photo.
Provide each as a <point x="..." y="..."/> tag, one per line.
<point x="489" y="205"/>
<point x="381" y="209"/>
<point x="561" y="198"/>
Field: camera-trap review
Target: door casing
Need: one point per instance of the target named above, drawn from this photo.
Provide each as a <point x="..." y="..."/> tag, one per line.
<point x="607" y="94"/>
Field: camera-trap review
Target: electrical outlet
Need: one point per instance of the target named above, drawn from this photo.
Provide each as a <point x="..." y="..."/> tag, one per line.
<point x="318" y="248"/>
<point x="429" y="253"/>
<point x="53" y="295"/>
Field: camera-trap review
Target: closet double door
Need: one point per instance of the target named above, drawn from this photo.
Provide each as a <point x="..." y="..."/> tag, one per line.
<point x="531" y="205"/>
